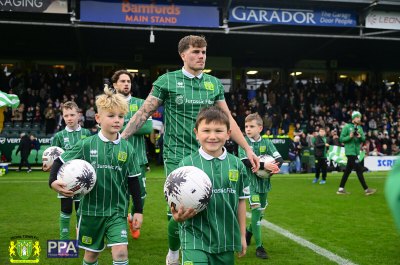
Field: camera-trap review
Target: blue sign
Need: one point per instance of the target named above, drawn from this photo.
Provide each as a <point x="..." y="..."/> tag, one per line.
<point x="264" y="15"/>
<point x="62" y="249"/>
<point x="127" y="12"/>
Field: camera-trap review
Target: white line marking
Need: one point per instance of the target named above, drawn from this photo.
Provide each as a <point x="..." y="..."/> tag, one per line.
<point x="23" y="181"/>
<point x="305" y="243"/>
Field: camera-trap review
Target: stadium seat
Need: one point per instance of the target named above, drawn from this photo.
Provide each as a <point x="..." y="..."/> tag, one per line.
<point x="36" y="125"/>
<point x="7" y="125"/>
<point x="17" y="125"/>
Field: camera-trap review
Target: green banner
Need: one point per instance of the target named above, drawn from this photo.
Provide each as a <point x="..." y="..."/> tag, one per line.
<point x="338" y="156"/>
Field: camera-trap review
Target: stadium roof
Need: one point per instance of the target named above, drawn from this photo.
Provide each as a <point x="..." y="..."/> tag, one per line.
<point x="50" y="36"/>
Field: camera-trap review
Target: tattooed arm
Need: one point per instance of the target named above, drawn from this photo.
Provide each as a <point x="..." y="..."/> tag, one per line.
<point x="149" y="106"/>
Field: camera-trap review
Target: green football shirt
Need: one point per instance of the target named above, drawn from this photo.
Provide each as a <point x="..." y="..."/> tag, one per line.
<point x="216" y="229"/>
<point x="67" y="138"/>
<point x="113" y="163"/>
<point x="137" y="141"/>
<point x="263" y="146"/>
<point x="183" y="96"/>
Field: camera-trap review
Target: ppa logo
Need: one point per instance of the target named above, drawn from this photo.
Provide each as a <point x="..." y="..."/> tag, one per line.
<point x="62" y="249"/>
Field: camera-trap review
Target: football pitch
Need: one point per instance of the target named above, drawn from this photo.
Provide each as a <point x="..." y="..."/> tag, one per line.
<point x="304" y="223"/>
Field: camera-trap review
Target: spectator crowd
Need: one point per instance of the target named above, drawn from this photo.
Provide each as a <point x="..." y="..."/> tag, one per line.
<point x="306" y="106"/>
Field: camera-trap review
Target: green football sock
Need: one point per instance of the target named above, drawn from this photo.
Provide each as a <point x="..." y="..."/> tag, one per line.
<point x="249" y="228"/>
<point x="125" y="262"/>
<point x="256" y="225"/>
<point x="174" y="242"/>
<point x="64" y="225"/>
<point x="89" y="263"/>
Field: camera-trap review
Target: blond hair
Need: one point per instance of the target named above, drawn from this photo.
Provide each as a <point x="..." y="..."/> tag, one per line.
<point x="254" y="117"/>
<point x="109" y="101"/>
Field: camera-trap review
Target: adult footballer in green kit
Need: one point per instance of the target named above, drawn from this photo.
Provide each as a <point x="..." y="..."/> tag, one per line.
<point x="122" y="82"/>
<point x="183" y="93"/>
<point x="66" y="139"/>
<point x="104" y="209"/>
<point x="213" y="235"/>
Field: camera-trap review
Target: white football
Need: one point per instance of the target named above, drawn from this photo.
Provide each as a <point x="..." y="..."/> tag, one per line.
<point x="262" y="173"/>
<point x="189" y="187"/>
<point x="49" y="155"/>
<point x="78" y="175"/>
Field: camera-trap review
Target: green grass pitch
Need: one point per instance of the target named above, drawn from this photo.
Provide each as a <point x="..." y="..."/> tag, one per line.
<point x="356" y="227"/>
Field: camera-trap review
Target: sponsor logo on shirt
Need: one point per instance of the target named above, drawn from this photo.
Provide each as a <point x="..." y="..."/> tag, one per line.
<point x="180" y="84"/>
<point x="109" y="167"/>
<point x="199" y="101"/>
<point x="93" y="153"/>
<point x="66" y="140"/>
<point x="133" y="107"/>
<point x="209" y="85"/>
<point x="122" y="156"/>
<point x="179" y="99"/>
<point x="224" y="190"/>
<point x="263" y="148"/>
<point x="233" y="175"/>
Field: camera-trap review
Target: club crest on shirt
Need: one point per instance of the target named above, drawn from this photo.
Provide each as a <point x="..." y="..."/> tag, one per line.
<point x="233" y="175"/>
<point x="133" y="107"/>
<point x="179" y="99"/>
<point x="208" y="85"/>
<point x="122" y="156"/>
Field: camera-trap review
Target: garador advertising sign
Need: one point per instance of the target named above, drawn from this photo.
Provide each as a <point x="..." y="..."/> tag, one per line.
<point x="299" y="17"/>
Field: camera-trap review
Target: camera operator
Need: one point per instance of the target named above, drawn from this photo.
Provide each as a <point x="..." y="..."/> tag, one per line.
<point x="352" y="136"/>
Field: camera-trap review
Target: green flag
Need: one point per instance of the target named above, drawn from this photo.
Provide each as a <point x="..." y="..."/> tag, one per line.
<point x="9" y="100"/>
<point x="338" y="156"/>
<point x="392" y="192"/>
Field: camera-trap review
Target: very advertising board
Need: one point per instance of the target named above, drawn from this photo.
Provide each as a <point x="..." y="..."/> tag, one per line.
<point x="299" y="17"/>
<point x="35" y="6"/>
<point x="133" y="12"/>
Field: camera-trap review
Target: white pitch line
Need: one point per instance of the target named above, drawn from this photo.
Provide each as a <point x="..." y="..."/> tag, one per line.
<point x="305" y="243"/>
<point x="23" y="181"/>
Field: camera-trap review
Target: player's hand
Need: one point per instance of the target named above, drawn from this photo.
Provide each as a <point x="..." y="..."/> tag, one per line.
<point x="327" y="145"/>
<point x="244" y="247"/>
<point x="254" y="160"/>
<point x="272" y="166"/>
<point x="182" y="215"/>
<point x="351" y="135"/>
<point x="60" y="186"/>
<point x="137" y="221"/>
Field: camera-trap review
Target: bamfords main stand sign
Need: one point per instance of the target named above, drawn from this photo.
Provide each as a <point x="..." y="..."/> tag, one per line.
<point x="300" y="17"/>
<point x="135" y="12"/>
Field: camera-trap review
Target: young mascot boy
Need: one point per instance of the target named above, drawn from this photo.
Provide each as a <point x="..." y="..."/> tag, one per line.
<point x="103" y="211"/>
<point x="66" y="139"/>
<point x="259" y="187"/>
<point x="122" y="82"/>
<point x="212" y="236"/>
